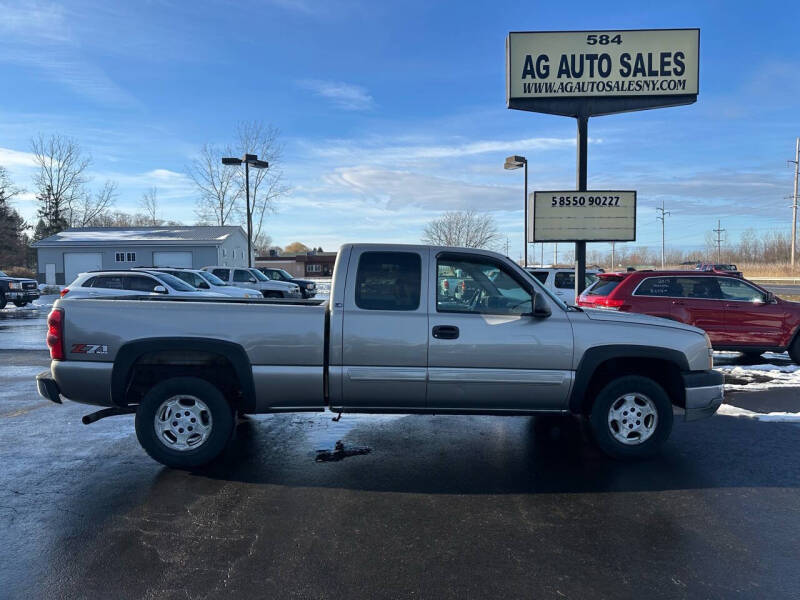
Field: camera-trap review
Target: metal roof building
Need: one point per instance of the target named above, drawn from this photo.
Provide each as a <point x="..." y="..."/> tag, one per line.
<point x="61" y="257"/>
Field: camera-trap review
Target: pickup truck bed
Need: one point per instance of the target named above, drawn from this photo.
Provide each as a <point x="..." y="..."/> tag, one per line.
<point x="389" y="340"/>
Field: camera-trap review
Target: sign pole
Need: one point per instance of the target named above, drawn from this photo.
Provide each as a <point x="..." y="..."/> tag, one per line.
<point x="580" y="247"/>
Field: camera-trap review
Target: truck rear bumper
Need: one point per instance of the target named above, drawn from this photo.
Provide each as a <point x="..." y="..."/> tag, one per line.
<point x="705" y="392"/>
<point x="47" y="386"/>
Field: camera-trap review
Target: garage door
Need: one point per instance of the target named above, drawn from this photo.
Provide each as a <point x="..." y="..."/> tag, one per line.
<point x="172" y="259"/>
<point x="80" y="262"/>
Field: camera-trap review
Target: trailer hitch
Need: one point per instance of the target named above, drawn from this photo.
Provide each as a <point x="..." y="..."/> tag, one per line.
<point x="107" y="412"/>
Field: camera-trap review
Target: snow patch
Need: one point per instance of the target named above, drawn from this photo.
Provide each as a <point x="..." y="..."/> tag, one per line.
<point x="729" y="410"/>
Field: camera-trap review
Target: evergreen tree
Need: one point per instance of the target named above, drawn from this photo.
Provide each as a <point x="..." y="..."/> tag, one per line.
<point x="12" y="226"/>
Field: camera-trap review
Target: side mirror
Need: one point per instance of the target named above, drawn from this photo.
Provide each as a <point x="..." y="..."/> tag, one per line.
<point x="160" y="289"/>
<point x="541" y="309"/>
<point x="204" y="286"/>
<point x="770" y="298"/>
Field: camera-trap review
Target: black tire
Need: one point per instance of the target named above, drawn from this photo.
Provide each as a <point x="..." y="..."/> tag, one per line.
<point x="221" y="420"/>
<point x="609" y="396"/>
<point x="3" y="301"/>
<point x="794" y="350"/>
<point x="19" y="303"/>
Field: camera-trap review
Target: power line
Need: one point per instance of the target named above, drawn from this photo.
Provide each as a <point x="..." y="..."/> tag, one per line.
<point x="662" y="217"/>
<point x="719" y="231"/>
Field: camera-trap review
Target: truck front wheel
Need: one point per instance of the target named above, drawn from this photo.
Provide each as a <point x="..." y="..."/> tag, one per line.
<point x="184" y="422"/>
<point x="631" y="417"/>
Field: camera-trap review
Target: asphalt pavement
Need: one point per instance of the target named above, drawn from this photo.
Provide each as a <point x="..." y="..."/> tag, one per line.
<point x="428" y="507"/>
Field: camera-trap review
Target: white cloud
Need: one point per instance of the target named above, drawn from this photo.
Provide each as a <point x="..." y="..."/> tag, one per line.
<point x="379" y="151"/>
<point x="346" y="96"/>
<point x="397" y="190"/>
<point x="14" y="158"/>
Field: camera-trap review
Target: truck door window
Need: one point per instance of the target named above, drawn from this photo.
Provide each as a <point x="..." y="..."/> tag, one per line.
<point x="221" y="273"/>
<point x="565" y="280"/>
<point x="242" y="276"/>
<point x="388" y="281"/>
<point x="487" y="288"/>
<point x="540" y="275"/>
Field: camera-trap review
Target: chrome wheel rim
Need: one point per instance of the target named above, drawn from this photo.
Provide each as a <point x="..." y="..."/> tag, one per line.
<point x="632" y="419"/>
<point x="183" y="422"/>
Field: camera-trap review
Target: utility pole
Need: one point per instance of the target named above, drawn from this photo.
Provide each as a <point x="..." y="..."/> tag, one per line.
<point x="662" y="217"/>
<point x="719" y="231"/>
<point x="796" y="163"/>
<point x="555" y="254"/>
<point x="541" y="260"/>
<point x="506" y="245"/>
<point x="612" y="256"/>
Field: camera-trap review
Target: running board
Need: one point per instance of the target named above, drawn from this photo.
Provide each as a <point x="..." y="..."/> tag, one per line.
<point x="108" y="412"/>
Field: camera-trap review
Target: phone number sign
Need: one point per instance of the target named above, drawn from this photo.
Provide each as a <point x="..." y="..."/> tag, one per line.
<point x="592" y="216"/>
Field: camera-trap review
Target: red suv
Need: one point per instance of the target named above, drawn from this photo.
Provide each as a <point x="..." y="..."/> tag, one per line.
<point x="736" y="314"/>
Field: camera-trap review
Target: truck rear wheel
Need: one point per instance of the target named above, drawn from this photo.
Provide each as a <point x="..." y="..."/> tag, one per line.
<point x="794" y="350"/>
<point x="631" y="417"/>
<point x="19" y="303"/>
<point x="2" y="300"/>
<point x="184" y="422"/>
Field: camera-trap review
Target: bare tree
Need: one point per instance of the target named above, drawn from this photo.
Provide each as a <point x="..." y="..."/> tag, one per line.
<point x="218" y="185"/>
<point x="466" y="229"/>
<point x="87" y="208"/>
<point x="149" y="204"/>
<point x="266" y="185"/>
<point x="262" y="244"/>
<point x="61" y="177"/>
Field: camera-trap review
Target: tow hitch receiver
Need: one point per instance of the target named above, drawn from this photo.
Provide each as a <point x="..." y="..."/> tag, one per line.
<point x="108" y="412"/>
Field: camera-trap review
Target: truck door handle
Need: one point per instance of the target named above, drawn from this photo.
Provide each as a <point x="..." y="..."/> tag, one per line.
<point x="445" y="332"/>
<point x="678" y="302"/>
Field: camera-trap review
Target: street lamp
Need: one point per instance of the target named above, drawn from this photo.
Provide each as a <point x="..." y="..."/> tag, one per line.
<point x="515" y="162"/>
<point x="249" y="160"/>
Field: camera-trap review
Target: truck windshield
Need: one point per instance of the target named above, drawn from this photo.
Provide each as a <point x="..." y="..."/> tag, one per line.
<point x="3" y="274"/>
<point x="259" y="275"/>
<point x="281" y="274"/>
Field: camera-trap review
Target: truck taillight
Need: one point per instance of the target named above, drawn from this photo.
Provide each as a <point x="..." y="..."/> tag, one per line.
<point x="55" y="333"/>
<point x="64" y="292"/>
<point x="445" y="285"/>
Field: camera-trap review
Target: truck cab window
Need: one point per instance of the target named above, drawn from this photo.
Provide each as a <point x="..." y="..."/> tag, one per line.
<point x="486" y="288"/>
<point x="388" y="281"/>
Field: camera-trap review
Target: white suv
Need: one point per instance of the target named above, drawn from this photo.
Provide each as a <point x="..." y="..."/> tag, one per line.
<point x="203" y="280"/>
<point x="561" y="281"/>
<point x="131" y="283"/>
<point x="255" y="279"/>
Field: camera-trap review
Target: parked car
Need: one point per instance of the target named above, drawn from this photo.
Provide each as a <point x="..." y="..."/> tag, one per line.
<point x="308" y="288"/>
<point x="203" y="280"/>
<point x="719" y="269"/>
<point x="387" y="341"/>
<point x="735" y="313"/>
<point x="95" y="284"/>
<point x="561" y="281"/>
<point x="254" y="279"/>
<point x="18" y="290"/>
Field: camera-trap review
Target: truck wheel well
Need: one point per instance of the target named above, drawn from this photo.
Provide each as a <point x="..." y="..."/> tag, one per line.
<point x="663" y="372"/>
<point x="153" y="367"/>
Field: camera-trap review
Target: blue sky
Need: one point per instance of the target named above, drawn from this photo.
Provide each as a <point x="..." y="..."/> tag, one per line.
<point x="394" y="112"/>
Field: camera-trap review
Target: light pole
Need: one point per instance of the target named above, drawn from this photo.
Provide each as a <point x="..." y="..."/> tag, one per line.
<point x="248" y="160"/>
<point x="515" y="162"/>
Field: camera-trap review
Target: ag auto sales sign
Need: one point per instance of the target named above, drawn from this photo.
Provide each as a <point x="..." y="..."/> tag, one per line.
<point x="572" y="64"/>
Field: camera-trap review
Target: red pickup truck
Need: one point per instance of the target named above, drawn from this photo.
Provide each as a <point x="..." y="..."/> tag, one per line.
<point x="735" y="313"/>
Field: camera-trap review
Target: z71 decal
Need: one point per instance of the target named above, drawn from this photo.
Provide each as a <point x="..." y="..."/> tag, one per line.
<point x="89" y="349"/>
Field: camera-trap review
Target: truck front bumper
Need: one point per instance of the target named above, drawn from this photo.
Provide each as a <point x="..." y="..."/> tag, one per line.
<point x="24" y="296"/>
<point x="705" y="391"/>
<point x="47" y="386"/>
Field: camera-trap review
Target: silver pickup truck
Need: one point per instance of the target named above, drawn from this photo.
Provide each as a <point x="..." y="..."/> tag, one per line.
<point x="387" y="340"/>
